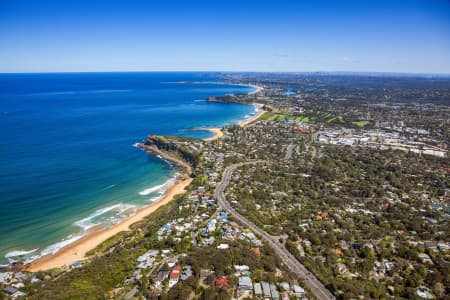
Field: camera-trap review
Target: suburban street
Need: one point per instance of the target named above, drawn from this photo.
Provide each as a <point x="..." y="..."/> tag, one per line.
<point x="314" y="285"/>
<point x="289" y="150"/>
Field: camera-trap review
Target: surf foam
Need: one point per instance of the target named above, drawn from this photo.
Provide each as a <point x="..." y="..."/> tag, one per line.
<point x="19" y="253"/>
<point x="88" y="222"/>
<point x="158" y="188"/>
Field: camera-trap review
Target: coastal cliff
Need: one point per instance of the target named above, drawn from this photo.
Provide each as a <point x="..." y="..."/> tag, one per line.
<point x="174" y="149"/>
<point x="242" y="99"/>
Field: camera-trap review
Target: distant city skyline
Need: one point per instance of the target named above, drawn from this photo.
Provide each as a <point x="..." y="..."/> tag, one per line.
<point x="272" y="36"/>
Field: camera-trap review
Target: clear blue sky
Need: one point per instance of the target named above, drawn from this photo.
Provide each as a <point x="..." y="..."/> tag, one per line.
<point x="229" y="35"/>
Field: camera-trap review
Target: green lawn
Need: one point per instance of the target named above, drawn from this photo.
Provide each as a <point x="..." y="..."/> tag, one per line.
<point x="282" y="117"/>
<point x="361" y="123"/>
<point x="277" y="117"/>
<point x="302" y="119"/>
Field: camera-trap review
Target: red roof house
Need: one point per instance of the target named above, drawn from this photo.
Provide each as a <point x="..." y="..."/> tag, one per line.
<point x="222" y="282"/>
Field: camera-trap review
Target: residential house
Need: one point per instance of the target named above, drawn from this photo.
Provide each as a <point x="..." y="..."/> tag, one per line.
<point x="74" y="265"/>
<point x="245" y="283"/>
<point x="187" y="272"/>
<point x="241" y="268"/>
<point x="274" y="292"/>
<point x="160" y="277"/>
<point x="285" y="286"/>
<point x="298" y="291"/>
<point x="174" y="276"/>
<point x="223" y="246"/>
<point x="222" y="282"/>
<point x="425" y="258"/>
<point x="266" y="289"/>
<point x="257" y="251"/>
<point x="257" y="289"/>
<point x="10" y="290"/>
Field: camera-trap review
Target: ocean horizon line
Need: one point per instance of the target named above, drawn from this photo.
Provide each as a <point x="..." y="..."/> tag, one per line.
<point x="317" y="72"/>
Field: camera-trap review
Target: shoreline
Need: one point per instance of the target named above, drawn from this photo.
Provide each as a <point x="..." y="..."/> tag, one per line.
<point x="248" y="121"/>
<point x="256" y="87"/>
<point x="77" y="250"/>
<point x="217" y="131"/>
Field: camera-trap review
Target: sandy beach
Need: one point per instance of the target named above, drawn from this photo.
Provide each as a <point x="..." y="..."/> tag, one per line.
<point x="217" y="134"/>
<point x="218" y="131"/>
<point x="258" y="89"/>
<point x="77" y="250"/>
<point x="259" y="114"/>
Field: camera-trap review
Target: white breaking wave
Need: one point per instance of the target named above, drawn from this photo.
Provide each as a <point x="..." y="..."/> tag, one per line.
<point x="154" y="199"/>
<point x="158" y="188"/>
<point x="151" y="190"/>
<point x="94" y="219"/>
<point x="52" y="249"/>
<point x="109" y="187"/>
<point x="87" y="222"/>
<point x="84" y="224"/>
<point x="136" y="145"/>
<point x="19" y="253"/>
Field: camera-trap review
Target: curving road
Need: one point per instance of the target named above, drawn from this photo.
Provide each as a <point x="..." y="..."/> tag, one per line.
<point x="314" y="285"/>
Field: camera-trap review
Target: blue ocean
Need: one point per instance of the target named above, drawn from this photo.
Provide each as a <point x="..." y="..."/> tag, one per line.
<point x="67" y="160"/>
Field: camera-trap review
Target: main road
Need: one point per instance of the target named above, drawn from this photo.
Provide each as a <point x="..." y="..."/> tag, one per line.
<point x="314" y="285"/>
